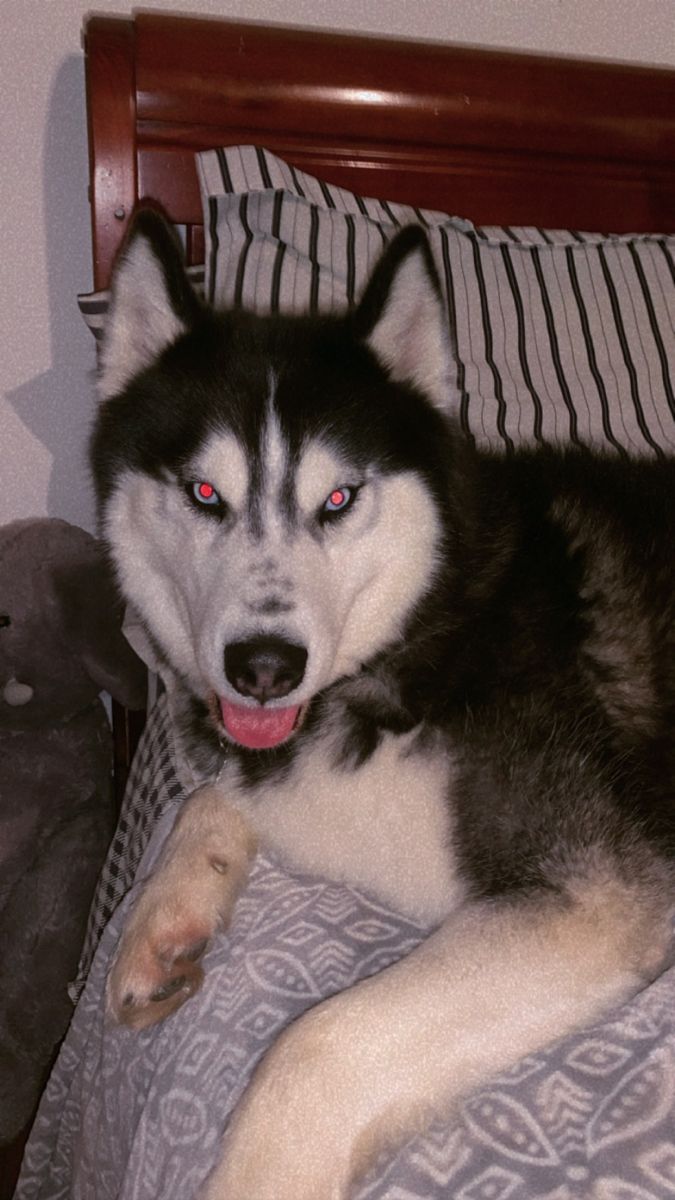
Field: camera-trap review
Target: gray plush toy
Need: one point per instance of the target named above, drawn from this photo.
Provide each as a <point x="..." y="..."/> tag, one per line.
<point x="60" y="645"/>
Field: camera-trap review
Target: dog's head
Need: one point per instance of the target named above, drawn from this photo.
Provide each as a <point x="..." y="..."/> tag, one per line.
<point x="271" y="488"/>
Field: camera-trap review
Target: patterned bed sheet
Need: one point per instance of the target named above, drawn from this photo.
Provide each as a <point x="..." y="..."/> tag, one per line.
<point x="134" y="1116"/>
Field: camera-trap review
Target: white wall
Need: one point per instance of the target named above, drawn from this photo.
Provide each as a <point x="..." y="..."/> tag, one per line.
<point x="47" y="356"/>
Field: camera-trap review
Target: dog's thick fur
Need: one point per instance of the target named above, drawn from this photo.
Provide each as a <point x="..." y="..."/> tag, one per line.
<point x="442" y="675"/>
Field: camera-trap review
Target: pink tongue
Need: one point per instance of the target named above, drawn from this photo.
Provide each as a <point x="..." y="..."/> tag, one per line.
<point x="258" y="728"/>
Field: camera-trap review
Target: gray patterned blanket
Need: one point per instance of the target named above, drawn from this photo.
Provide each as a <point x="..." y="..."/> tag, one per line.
<point x="136" y="1116"/>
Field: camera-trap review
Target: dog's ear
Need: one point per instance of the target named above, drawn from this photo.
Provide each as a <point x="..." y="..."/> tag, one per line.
<point x="151" y="302"/>
<point x="401" y="317"/>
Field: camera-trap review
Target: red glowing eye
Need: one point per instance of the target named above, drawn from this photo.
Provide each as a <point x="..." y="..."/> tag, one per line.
<point x="340" y="499"/>
<point x="205" y="494"/>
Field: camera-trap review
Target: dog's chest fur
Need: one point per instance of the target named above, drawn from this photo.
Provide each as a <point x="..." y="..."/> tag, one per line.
<point x="383" y="825"/>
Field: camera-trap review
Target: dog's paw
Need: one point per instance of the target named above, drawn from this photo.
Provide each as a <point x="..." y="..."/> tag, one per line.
<point x="191" y="895"/>
<point x="157" y="966"/>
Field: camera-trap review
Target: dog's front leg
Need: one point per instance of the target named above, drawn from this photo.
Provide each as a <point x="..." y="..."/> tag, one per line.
<point x="366" y="1069"/>
<point x="190" y="895"/>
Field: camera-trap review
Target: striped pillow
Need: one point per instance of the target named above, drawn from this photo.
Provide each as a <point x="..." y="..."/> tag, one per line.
<point x="561" y="336"/>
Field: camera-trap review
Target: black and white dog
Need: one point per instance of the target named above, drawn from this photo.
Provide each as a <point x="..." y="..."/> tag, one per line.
<point x="443" y="676"/>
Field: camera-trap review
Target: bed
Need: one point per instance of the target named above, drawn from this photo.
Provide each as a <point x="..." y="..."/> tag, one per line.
<point x="518" y="145"/>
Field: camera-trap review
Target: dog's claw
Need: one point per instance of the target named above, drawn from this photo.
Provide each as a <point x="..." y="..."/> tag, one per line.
<point x="147" y="984"/>
<point x="162" y="994"/>
<point x="195" y="952"/>
<point x="168" y="989"/>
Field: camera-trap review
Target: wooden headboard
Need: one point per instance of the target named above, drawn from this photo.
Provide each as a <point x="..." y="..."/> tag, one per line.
<point x="500" y="138"/>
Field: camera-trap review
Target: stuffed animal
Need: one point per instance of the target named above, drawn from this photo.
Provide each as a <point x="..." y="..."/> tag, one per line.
<point x="60" y="645"/>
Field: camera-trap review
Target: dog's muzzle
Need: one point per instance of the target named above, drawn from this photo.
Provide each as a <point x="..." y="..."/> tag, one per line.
<point x="265" y="668"/>
<point x="262" y="668"/>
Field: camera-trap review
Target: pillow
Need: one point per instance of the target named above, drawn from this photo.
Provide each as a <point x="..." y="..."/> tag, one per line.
<point x="561" y="337"/>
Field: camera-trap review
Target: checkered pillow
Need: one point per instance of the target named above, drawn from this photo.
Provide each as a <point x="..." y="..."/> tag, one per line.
<point x="152" y="786"/>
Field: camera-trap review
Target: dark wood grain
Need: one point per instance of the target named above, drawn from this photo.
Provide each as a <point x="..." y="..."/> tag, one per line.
<point x="111" y="112"/>
<point x="386" y="90"/>
<point x="498" y="137"/>
<point x="506" y="188"/>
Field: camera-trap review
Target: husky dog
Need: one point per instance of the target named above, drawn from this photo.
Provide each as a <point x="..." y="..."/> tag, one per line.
<point x="441" y="675"/>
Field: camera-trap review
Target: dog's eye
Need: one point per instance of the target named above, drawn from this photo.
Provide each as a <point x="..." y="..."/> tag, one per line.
<point x="340" y="499"/>
<point x="204" y="495"/>
<point x="5" y="620"/>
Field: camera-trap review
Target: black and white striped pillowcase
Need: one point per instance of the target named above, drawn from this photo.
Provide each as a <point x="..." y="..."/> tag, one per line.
<point x="565" y="343"/>
<point x="562" y="336"/>
<point x="238" y="170"/>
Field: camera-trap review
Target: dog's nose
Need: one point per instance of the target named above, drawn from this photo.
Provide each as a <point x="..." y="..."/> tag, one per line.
<point x="265" y="667"/>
